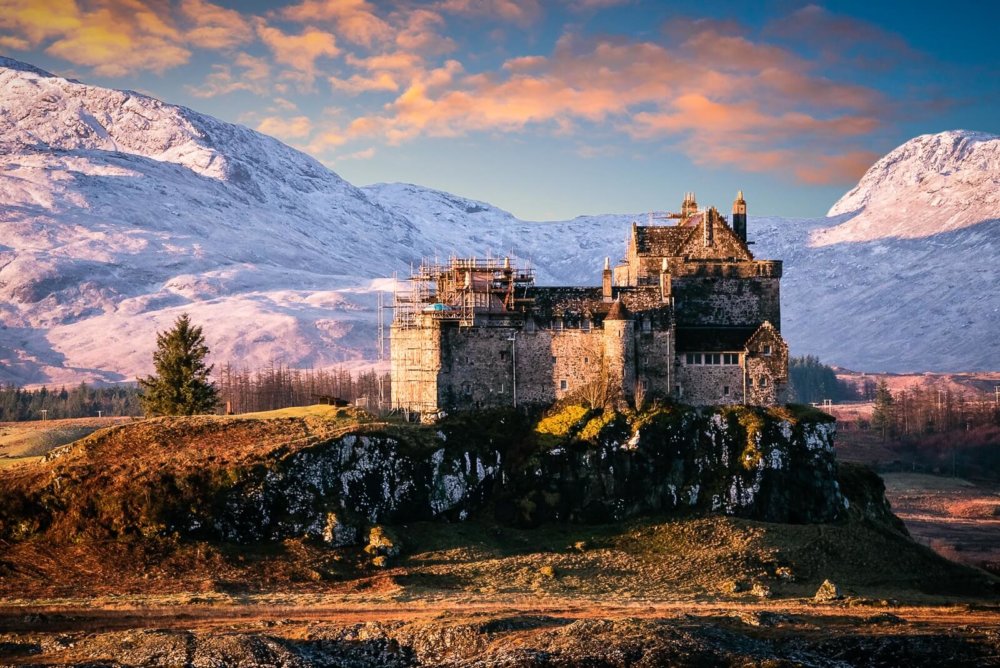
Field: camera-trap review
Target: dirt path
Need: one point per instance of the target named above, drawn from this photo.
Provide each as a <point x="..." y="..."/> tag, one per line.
<point x="61" y="619"/>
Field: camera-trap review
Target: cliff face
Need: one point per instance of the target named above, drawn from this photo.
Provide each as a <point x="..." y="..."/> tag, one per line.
<point x="573" y="465"/>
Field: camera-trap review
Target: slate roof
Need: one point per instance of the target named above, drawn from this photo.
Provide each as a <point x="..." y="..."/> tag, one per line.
<point x="618" y="311"/>
<point x="663" y="241"/>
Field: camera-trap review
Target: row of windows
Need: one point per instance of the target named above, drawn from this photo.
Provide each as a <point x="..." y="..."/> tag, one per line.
<point x="713" y="358"/>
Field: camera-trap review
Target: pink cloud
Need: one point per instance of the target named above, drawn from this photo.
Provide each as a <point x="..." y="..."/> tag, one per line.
<point x="300" y="52"/>
<point x="520" y="12"/>
<point x="354" y="20"/>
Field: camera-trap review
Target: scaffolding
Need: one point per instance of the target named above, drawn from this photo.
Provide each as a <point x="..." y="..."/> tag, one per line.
<point x="460" y="290"/>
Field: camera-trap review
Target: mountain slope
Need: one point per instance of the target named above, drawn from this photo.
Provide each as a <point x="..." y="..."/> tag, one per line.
<point x="930" y="185"/>
<point x="119" y="212"/>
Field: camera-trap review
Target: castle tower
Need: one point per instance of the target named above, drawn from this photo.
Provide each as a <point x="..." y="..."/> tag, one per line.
<point x="689" y="206"/>
<point x="740" y="216"/>
<point x="619" y="349"/>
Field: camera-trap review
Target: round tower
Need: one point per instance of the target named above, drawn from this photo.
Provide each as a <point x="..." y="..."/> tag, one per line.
<point x="619" y="349"/>
<point x="740" y="216"/>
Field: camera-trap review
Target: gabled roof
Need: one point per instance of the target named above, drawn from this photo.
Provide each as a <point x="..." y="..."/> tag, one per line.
<point x="687" y="239"/>
<point x="661" y="241"/>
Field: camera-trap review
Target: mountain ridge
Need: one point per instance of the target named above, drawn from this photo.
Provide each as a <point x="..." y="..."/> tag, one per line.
<point x="121" y="211"/>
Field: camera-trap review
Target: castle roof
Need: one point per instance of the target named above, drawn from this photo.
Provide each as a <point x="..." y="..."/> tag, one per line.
<point x="618" y="311"/>
<point x="661" y="240"/>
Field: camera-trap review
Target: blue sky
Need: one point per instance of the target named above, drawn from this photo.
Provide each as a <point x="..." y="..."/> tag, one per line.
<point x="552" y="109"/>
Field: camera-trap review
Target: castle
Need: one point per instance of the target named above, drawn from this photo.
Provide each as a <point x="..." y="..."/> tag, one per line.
<point x="689" y="315"/>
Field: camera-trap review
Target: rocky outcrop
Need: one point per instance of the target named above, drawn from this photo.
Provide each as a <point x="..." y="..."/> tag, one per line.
<point x="753" y="463"/>
<point x="573" y="464"/>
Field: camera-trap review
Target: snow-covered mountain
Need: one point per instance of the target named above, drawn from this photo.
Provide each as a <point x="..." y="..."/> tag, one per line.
<point x="929" y="185"/>
<point x="119" y="212"/>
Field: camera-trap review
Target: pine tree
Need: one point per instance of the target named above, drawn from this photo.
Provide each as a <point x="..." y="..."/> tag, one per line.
<point x="884" y="410"/>
<point x="180" y="385"/>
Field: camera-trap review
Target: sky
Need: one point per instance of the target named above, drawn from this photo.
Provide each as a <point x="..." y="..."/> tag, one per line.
<point x="552" y="109"/>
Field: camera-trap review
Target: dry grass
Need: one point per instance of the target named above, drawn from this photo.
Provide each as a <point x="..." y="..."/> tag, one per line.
<point x="36" y="438"/>
<point x="957" y="518"/>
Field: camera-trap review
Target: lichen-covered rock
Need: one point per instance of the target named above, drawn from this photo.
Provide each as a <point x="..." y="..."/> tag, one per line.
<point x="773" y="465"/>
<point x="574" y="464"/>
<point x="337" y="532"/>
<point x="382" y="542"/>
<point x="827" y="591"/>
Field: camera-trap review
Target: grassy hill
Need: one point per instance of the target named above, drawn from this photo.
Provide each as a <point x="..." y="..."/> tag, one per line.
<point x="90" y="521"/>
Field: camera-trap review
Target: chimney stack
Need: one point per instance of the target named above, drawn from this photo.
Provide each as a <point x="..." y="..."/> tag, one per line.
<point x="606" y="280"/>
<point x="740" y="216"/>
<point x="665" y="286"/>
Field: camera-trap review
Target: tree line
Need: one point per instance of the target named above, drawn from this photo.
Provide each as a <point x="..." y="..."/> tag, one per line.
<point x="279" y="386"/>
<point x="811" y="381"/>
<point x="922" y="410"/>
<point x="84" y="400"/>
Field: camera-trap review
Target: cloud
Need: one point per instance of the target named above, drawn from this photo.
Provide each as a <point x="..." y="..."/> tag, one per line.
<point x="364" y="154"/>
<point x="15" y="43"/>
<point x="215" y="27"/>
<point x="595" y="4"/>
<point x="38" y="20"/>
<point x="716" y="93"/>
<point x="845" y="168"/>
<point x="841" y="37"/>
<point x="121" y="37"/>
<point x="520" y="12"/>
<point x="299" y="52"/>
<point x="254" y="77"/>
<point x="298" y="127"/>
<point x="381" y="81"/>
<point x="354" y="20"/>
<point x="420" y="33"/>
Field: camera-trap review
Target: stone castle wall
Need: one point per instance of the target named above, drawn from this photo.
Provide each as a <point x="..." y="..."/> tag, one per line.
<point x="705" y="384"/>
<point x="721" y="302"/>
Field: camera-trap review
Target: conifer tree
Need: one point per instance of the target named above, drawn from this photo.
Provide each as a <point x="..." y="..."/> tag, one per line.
<point x="180" y="385"/>
<point x="884" y="410"/>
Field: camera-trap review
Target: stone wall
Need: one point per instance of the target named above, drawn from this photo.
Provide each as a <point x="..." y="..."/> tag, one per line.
<point x="654" y="360"/>
<point x="704" y="384"/>
<point x="721" y="302"/>
<point x="767" y="367"/>
<point x="477" y="367"/>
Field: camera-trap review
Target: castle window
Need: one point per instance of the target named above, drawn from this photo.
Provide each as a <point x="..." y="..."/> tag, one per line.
<point x="585" y="325"/>
<point x="694" y="358"/>
<point x="553" y="359"/>
<point x="586" y="360"/>
<point x="678" y="391"/>
<point x="503" y="354"/>
<point x="713" y="358"/>
<point x="767" y="350"/>
<point x="563" y="384"/>
<point x="725" y="390"/>
<point x="467" y="388"/>
<point x="730" y="358"/>
<point x="749" y="382"/>
<point x="762" y="382"/>
<point x="647" y="326"/>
